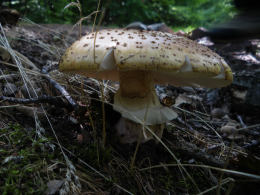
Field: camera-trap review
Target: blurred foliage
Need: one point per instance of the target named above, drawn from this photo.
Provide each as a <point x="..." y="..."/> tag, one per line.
<point x="122" y="12"/>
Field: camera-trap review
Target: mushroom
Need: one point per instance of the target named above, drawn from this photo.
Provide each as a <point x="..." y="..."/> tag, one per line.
<point x="139" y="60"/>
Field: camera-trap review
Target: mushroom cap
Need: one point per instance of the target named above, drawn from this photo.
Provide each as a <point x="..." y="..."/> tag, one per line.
<point x="170" y="58"/>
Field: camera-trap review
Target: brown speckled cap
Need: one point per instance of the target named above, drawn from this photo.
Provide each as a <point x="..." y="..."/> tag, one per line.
<point x="170" y="58"/>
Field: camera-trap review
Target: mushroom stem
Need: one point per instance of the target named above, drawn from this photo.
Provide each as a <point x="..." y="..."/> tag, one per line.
<point x="139" y="105"/>
<point x="136" y="90"/>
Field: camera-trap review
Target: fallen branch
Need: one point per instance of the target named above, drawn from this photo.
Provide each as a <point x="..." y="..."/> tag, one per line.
<point x="61" y="89"/>
<point x="37" y="100"/>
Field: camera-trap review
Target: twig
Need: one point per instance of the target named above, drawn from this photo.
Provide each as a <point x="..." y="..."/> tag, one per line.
<point x="247" y="130"/>
<point x="226" y="171"/>
<point x="224" y="181"/>
<point x="62" y="90"/>
<point x="36" y="100"/>
<point x="249" y="127"/>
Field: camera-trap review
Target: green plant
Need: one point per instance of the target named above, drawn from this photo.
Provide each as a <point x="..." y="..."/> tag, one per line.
<point x="122" y="12"/>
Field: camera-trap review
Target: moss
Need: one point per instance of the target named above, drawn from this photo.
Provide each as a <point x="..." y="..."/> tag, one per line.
<point x="23" y="162"/>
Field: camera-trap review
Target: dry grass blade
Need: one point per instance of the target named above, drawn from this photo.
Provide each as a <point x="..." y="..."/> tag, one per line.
<point x="73" y="4"/>
<point x="208" y="125"/>
<point x="181" y="168"/>
<point x="83" y="19"/>
<point x="238" y="173"/>
<point x="180" y="165"/>
<point x="94" y="23"/>
<point x="97" y="172"/>
<point x="223" y="182"/>
<point x="71" y="181"/>
<point x="24" y="60"/>
<point x="103" y="115"/>
<point x="249" y="127"/>
<point x="78" y="5"/>
<point x="28" y="71"/>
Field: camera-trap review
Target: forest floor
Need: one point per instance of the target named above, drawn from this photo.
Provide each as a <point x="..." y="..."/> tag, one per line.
<point x="48" y="146"/>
